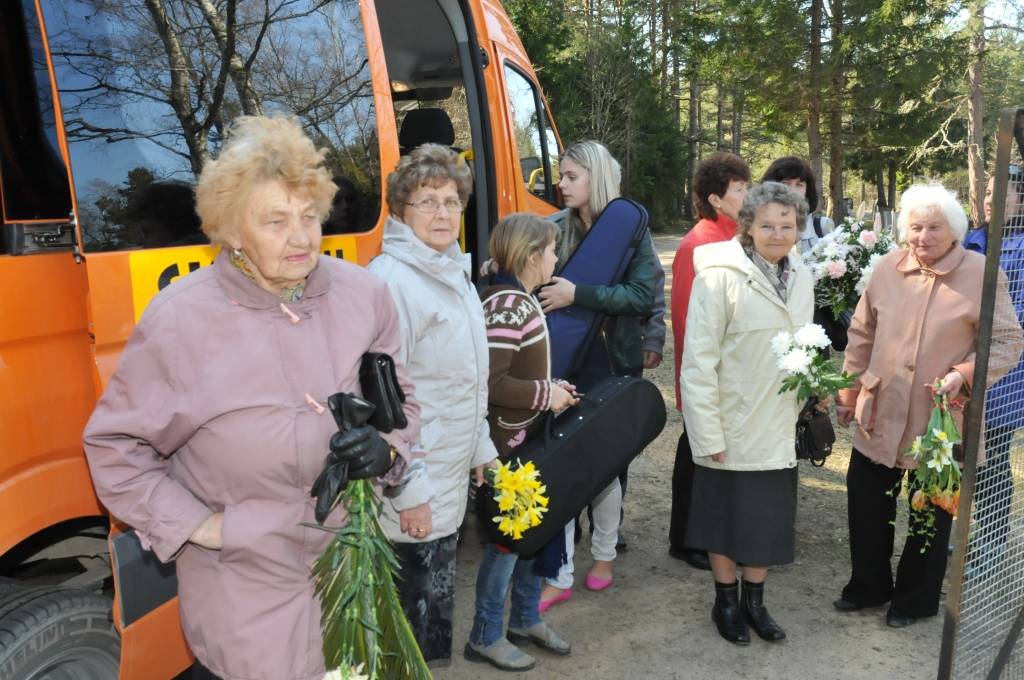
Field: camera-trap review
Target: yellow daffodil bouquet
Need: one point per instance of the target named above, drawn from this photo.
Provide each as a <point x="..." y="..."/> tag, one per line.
<point x="937" y="477"/>
<point x="519" y="493"/>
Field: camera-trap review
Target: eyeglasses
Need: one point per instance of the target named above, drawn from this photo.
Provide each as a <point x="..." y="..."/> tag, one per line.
<point x="432" y="205"/>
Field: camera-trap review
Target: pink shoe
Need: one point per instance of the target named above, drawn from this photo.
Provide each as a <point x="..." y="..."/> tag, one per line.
<point x="597" y="583"/>
<point x="558" y="599"/>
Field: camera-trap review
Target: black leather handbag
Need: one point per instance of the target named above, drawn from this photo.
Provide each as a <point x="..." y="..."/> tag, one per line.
<point x="379" y="382"/>
<point x="814" y="434"/>
<point x="836" y="327"/>
<point x="579" y="452"/>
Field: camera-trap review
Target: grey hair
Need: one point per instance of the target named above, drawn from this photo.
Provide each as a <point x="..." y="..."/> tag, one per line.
<point x="761" y="195"/>
<point x="932" y="196"/>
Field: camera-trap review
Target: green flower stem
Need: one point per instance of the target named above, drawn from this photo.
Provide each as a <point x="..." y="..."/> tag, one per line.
<point x="361" y="614"/>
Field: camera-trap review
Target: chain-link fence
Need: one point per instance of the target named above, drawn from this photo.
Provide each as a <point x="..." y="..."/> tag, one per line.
<point x="985" y="599"/>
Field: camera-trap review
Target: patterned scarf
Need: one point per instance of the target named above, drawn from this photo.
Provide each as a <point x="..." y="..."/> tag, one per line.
<point x="777" y="274"/>
<point x="289" y="294"/>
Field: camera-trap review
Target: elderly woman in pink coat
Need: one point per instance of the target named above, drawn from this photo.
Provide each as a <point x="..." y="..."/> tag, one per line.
<point x="917" y="322"/>
<point x="211" y="432"/>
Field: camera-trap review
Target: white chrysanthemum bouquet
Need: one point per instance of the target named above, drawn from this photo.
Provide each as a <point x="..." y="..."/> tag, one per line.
<point x="842" y="262"/>
<point x="805" y="365"/>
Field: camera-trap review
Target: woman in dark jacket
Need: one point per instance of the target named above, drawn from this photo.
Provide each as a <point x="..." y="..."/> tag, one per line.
<point x="590" y="180"/>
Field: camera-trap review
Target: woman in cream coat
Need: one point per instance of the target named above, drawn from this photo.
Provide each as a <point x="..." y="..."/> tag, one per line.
<point x="741" y="429"/>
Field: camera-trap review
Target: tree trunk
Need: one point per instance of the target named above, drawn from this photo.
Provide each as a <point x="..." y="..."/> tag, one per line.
<point x="677" y="103"/>
<point x="880" y="188"/>
<point x="814" y="96"/>
<point x="693" y="133"/>
<point x="835" y="116"/>
<point x="652" y="34"/>
<point x="720" y="118"/>
<point x="892" y="185"/>
<point x="664" y="48"/>
<point x="240" y="72"/>
<point x="180" y="92"/>
<point x="737" y="121"/>
<point x="975" y="112"/>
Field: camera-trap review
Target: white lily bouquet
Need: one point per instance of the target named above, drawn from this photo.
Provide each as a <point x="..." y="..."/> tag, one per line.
<point x="807" y="370"/>
<point x="842" y="262"/>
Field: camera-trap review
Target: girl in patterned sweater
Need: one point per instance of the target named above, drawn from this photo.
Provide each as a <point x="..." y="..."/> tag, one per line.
<point x="520" y="391"/>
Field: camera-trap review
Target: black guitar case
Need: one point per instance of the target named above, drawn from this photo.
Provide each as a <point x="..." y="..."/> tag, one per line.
<point x="580" y="452"/>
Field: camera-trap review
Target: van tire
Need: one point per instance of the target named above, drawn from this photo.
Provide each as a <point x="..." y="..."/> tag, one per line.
<point x="46" y="628"/>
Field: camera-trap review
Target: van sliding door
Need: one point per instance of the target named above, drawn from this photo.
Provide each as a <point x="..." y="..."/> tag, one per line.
<point x="435" y="73"/>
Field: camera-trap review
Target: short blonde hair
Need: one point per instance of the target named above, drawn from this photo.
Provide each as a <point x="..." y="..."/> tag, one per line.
<point x="260" y="149"/>
<point x="430" y="165"/>
<point x="932" y="196"/>
<point x="517" y="237"/>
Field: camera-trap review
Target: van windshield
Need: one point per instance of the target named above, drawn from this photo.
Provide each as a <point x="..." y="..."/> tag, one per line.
<point x="148" y="90"/>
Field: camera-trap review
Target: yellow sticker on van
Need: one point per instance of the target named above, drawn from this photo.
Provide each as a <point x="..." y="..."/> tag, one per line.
<point x="154" y="269"/>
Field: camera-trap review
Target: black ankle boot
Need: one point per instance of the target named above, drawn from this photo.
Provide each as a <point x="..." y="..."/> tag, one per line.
<point x="757" y="614"/>
<point x="727" y="615"/>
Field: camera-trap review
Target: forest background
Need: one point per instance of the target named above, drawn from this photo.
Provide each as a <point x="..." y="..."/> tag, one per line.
<point x="874" y="93"/>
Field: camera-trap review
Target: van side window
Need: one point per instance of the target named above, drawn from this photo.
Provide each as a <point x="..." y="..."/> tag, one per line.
<point x="553" y="147"/>
<point x="35" y="180"/>
<point x="537" y="148"/>
<point x="148" y="92"/>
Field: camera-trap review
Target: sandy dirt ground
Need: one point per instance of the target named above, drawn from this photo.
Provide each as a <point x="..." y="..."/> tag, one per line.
<point x="654" y="622"/>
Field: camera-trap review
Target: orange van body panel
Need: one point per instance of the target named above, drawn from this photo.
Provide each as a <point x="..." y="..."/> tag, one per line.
<point x="154" y="648"/>
<point x="46" y="395"/>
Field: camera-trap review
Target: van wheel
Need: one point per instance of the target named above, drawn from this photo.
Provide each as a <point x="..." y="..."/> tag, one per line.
<point x="50" y="633"/>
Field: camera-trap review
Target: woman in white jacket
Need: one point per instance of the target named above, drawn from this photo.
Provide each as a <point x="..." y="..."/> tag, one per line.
<point x="444" y="347"/>
<point x="741" y="429"/>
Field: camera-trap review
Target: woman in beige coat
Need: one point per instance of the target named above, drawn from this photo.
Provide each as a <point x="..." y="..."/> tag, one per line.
<point x="916" y="323"/>
<point x="743" y="506"/>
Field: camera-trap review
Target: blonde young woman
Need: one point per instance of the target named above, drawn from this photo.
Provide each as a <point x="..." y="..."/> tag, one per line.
<point x="590" y="180"/>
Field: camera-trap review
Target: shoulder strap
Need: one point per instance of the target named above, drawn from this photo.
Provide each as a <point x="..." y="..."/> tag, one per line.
<point x="817" y="225"/>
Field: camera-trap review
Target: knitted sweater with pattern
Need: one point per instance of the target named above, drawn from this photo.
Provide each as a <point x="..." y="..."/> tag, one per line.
<point x="519" y="386"/>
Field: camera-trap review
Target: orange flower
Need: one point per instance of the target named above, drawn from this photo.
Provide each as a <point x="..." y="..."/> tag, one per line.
<point x="918" y="500"/>
<point x="944" y="500"/>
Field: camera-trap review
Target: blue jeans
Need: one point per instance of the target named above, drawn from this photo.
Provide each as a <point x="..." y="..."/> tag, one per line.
<point x="497" y="569"/>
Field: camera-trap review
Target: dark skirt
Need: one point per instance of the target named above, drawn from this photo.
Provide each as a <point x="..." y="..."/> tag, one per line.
<point x="748" y="516"/>
<point x="426" y="586"/>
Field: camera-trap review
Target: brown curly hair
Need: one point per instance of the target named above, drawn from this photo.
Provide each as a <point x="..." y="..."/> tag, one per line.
<point x="428" y="165"/>
<point x="713" y="176"/>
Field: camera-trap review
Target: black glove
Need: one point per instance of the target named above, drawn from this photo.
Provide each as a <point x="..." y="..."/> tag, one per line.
<point x="367" y="453"/>
<point x="357" y="452"/>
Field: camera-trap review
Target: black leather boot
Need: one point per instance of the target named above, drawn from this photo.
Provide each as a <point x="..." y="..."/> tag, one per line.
<point x="727" y="615"/>
<point x="757" y="614"/>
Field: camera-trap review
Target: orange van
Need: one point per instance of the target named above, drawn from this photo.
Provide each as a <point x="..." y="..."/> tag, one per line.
<point x="108" y="111"/>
